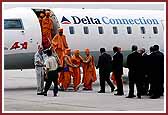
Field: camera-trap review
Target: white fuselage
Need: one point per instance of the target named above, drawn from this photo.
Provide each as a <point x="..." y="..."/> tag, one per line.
<point x="86" y="28"/>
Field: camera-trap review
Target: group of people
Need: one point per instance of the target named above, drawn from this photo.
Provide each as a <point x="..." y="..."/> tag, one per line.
<point x="47" y="68"/>
<point x="146" y="70"/>
<point x="59" y="66"/>
<point x="59" y="57"/>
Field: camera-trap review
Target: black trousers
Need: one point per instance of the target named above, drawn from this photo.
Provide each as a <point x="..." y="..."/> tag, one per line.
<point x="157" y="85"/>
<point x="119" y="83"/>
<point x="145" y="84"/>
<point x="52" y="77"/>
<point x="134" y="78"/>
<point x="105" y="77"/>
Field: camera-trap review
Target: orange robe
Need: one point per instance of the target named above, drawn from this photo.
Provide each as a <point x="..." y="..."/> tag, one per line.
<point x="59" y="44"/>
<point x="113" y="78"/>
<point x="76" y="72"/>
<point x="66" y="74"/>
<point x="89" y="73"/>
<point x="47" y="27"/>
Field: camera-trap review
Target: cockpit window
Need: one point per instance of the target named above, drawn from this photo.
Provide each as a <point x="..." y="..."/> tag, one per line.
<point x="13" y="24"/>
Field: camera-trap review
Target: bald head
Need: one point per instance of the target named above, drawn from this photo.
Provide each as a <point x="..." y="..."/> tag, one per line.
<point x="47" y="13"/>
<point x="42" y="15"/>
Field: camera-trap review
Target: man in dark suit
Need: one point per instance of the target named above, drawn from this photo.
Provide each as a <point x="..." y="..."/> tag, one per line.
<point x="144" y="71"/>
<point x="117" y="68"/>
<point x="134" y="66"/>
<point x="157" y="72"/>
<point x="104" y="70"/>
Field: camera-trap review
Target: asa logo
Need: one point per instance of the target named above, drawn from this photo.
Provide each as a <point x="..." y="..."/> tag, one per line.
<point x="65" y="21"/>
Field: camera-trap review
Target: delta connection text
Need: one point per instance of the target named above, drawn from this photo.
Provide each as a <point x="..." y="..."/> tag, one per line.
<point x="107" y="20"/>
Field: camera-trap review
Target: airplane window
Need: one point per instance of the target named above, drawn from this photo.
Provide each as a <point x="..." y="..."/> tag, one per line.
<point x="155" y="30"/>
<point x="86" y="30"/>
<point x="13" y="24"/>
<point x="100" y="30"/>
<point x="115" y="30"/>
<point x="129" y="30"/>
<point x="71" y="30"/>
<point x="142" y="30"/>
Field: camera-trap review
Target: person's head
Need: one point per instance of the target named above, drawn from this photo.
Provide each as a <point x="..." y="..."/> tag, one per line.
<point x="102" y="50"/>
<point x="119" y="49"/>
<point x="87" y="51"/>
<point x="156" y="48"/>
<point x="40" y="49"/>
<point x="42" y="15"/>
<point x="115" y="49"/>
<point x="76" y="52"/>
<point x="142" y="50"/>
<point x="151" y="49"/>
<point x="67" y="51"/>
<point x="60" y="30"/>
<point x="134" y="48"/>
<point x="47" y="13"/>
<point x="49" y="52"/>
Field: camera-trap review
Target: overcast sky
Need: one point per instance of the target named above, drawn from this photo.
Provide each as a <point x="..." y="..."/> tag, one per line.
<point x="109" y="5"/>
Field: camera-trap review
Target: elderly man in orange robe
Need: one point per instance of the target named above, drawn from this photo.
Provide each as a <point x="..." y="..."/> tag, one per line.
<point x="59" y="43"/>
<point x="68" y="69"/>
<point x="47" y="28"/>
<point x="89" y="72"/>
<point x="76" y="60"/>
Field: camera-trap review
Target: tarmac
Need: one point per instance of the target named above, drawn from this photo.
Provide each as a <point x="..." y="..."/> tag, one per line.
<point x="19" y="95"/>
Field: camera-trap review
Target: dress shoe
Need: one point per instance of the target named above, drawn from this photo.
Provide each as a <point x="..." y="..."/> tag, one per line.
<point x="154" y="97"/>
<point x="101" y="91"/>
<point x="119" y="94"/>
<point x="112" y="89"/>
<point x="45" y="94"/>
<point x="40" y="93"/>
<point x="138" y="96"/>
<point x="130" y="96"/>
<point x="87" y="89"/>
<point x="84" y="89"/>
<point x="55" y="95"/>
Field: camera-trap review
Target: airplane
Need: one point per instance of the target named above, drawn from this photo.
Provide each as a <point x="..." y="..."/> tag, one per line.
<point x="84" y="28"/>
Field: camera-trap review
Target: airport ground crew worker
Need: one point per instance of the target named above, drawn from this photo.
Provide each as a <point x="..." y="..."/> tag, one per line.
<point x="39" y="67"/>
<point x="51" y="73"/>
<point x="59" y="43"/>
<point x="67" y="69"/>
<point x="134" y="75"/>
<point x="89" y="72"/>
<point x="76" y="60"/>
<point x="47" y="28"/>
<point x="117" y="68"/>
<point x="104" y="70"/>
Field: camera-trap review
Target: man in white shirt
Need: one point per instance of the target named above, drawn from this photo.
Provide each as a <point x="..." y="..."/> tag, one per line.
<point x="39" y="68"/>
<point x="51" y="73"/>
